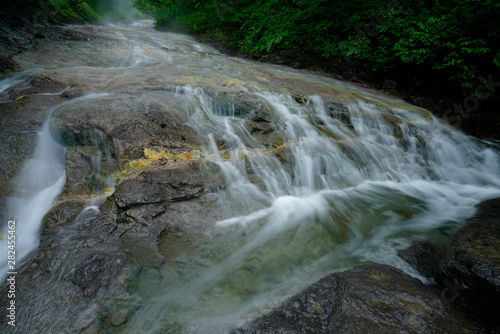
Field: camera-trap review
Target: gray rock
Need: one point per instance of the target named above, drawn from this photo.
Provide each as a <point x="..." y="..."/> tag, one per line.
<point x="139" y="120"/>
<point x="423" y="255"/>
<point x="162" y="185"/>
<point x="19" y="122"/>
<point x="470" y="269"/>
<point x="121" y="116"/>
<point x="77" y="167"/>
<point x="16" y="35"/>
<point x="264" y="132"/>
<point x="88" y="260"/>
<point x="75" y="274"/>
<point x="366" y="299"/>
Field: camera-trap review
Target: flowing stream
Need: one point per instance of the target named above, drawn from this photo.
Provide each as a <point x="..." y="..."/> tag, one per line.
<point x="340" y="187"/>
<point x="37" y="186"/>
<point x="353" y="194"/>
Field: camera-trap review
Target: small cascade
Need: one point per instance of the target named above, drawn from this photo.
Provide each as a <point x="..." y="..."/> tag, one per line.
<point x="344" y="187"/>
<point x="15" y="82"/>
<point x="38" y="184"/>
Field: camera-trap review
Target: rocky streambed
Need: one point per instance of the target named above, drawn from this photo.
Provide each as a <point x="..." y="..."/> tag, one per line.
<point x="210" y="194"/>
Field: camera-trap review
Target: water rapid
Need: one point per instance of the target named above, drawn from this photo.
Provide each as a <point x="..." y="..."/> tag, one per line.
<point x="337" y="192"/>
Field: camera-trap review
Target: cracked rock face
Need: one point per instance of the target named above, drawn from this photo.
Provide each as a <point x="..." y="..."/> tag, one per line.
<point x="169" y="185"/>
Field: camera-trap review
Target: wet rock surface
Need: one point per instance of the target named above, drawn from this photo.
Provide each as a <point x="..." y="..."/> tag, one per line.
<point x="89" y="256"/>
<point x="171" y="184"/>
<point x="423" y="255"/>
<point x="366" y="299"/>
<point x="15" y="37"/>
<point x="19" y="122"/>
<point x="127" y="117"/>
<point x="76" y="265"/>
<point x="470" y="269"/>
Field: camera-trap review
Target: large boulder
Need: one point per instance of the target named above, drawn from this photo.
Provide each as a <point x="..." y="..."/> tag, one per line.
<point x="470" y="269"/>
<point x="101" y="120"/>
<point x="366" y="299"/>
<point x="173" y="184"/>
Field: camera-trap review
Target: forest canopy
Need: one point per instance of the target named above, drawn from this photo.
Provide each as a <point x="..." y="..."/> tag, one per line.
<point x="459" y="39"/>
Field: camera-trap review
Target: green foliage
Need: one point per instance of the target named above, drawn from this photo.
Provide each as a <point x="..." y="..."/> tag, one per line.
<point x="78" y="10"/>
<point x="459" y="38"/>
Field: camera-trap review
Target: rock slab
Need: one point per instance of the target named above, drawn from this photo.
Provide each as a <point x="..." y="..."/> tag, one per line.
<point x="371" y="298"/>
<point x="470" y="269"/>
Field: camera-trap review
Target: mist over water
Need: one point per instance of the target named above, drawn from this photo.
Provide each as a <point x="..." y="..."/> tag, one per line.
<point x="119" y="11"/>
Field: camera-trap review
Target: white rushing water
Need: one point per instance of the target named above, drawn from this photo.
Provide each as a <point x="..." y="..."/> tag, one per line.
<point x="352" y="191"/>
<point x="36" y="187"/>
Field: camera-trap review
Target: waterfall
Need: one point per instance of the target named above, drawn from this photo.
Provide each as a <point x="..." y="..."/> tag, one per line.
<point x="316" y="183"/>
<point x="36" y="187"/>
<point x="358" y="186"/>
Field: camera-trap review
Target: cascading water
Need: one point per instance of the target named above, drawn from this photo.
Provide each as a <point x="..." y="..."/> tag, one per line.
<point x="353" y="190"/>
<point x="336" y="187"/>
<point x="37" y="186"/>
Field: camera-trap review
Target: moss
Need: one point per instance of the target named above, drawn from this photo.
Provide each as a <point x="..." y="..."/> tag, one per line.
<point x="109" y="191"/>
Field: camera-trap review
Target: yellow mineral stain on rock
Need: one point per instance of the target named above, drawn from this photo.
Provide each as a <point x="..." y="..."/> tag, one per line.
<point x="317" y="308"/>
<point x="378" y="276"/>
<point x="187" y="80"/>
<point x="414" y="307"/>
<point x="157" y="155"/>
<point x="235" y="82"/>
<point x="153" y="155"/>
<point x="232" y="82"/>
